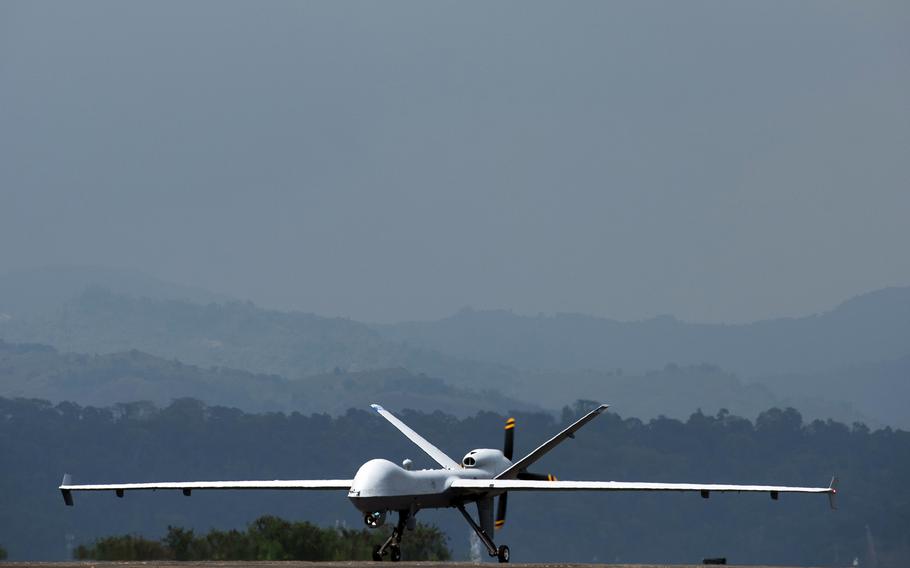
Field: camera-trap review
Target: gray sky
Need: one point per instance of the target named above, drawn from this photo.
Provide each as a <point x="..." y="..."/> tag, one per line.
<point x="718" y="161"/>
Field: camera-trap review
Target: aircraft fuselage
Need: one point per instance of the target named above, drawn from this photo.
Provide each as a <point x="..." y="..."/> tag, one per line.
<point x="381" y="485"/>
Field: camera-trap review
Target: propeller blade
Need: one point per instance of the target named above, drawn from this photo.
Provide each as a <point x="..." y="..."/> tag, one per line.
<point x="501" y="511"/>
<point x="507" y="449"/>
<point x="510" y="439"/>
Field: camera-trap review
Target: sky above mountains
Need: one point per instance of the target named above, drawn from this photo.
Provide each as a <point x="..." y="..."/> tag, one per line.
<point x="397" y="161"/>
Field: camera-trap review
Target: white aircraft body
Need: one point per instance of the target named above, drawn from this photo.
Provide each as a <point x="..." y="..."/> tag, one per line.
<point x="380" y="486"/>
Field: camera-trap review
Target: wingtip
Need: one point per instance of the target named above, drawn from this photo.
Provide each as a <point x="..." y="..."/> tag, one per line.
<point x="832" y="492"/>
<point x="376" y="407"/>
<point x="67" y="494"/>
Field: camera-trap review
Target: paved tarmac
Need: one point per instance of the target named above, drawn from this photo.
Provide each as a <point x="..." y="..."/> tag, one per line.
<point x="295" y="564"/>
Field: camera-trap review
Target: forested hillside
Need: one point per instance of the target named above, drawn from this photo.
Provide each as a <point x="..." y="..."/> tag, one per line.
<point x="295" y="346"/>
<point x="39" y="371"/>
<point x="676" y="391"/>
<point x="189" y="440"/>
<point x="877" y="391"/>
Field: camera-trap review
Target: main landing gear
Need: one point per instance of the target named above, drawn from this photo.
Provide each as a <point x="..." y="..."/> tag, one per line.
<point x="392" y="546"/>
<point x="502" y="553"/>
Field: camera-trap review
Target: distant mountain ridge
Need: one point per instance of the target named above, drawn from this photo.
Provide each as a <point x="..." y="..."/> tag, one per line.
<point x="227" y="349"/>
<point x="880" y="389"/>
<point x="25" y="293"/>
<point x="238" y="335"/>
<point x="870" y="327"/>
<point x="40" y="371"/>
<point x="840" y="364"/>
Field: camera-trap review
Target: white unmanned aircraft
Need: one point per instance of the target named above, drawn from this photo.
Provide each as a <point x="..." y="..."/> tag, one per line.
<point x="381" y="486"/>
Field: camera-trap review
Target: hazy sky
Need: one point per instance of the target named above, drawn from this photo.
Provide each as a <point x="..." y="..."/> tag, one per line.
<point x="721" y="161"/>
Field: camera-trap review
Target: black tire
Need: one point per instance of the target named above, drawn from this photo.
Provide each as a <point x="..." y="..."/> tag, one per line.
<point x="503" y="554"/>
<point x="376" y="556"/>
<point x="396" y="553"/>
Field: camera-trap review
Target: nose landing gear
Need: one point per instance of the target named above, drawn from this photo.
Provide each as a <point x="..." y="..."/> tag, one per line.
<point x="393" y="550"/>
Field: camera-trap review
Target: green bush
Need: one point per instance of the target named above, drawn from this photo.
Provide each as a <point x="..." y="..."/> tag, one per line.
<point x="266" y="538"/>
<point x="125" y="547"/>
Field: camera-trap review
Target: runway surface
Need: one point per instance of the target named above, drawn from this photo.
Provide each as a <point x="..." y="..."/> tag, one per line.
<point x="295" y="564"/>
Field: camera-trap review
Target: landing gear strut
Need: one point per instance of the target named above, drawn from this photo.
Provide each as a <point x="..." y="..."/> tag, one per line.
<point x="392" y="546"/>
<point x="502" y="553"/>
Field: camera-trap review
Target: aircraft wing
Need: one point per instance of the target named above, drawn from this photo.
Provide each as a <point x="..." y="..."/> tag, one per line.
<point x="66" y="488"/>
<point x="438" y="455"/>
<point x="483" y="485"/>
<point x="569" y="432"/>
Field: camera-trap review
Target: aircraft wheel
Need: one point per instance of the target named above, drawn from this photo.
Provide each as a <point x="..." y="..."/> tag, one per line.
<point x="396" y="553"/>
<point x="376" y="556"/>
<point x="503" y="553"/>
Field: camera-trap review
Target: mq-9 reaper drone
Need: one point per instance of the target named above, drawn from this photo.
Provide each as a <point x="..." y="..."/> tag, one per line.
<point x="380" y="486"/>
